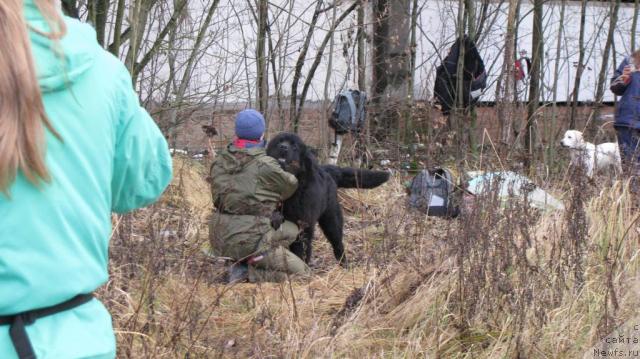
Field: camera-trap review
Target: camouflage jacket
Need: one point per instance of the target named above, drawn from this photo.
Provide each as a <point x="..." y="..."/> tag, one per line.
<point x="247" y="186"/>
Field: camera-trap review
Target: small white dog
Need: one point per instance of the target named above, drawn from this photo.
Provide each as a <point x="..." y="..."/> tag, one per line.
<point x="591" y="157"/>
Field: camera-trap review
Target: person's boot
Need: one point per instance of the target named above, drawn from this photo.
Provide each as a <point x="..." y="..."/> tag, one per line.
<point x="238" y="273"/>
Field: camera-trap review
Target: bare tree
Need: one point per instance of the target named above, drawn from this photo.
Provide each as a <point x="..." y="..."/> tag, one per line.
<point x="580" y="69"/>
<point x="263" y="86"/>
<point x="505" y="88"/>
<point x="482" y="18"/>
<point x="361" y="48"/>
<point x="335" y="148"/>
<point x="180" y="86"/>
<point x="604" y="68"/>
<point x="556" y="68"/>
<point x="456" y="118"/>
<point x="300" y="62"/>
<point x="634" y="24"/>
<point x="470" y="13"/>
<point x="391" y="59"/>
<point x="138" y="23"/>
<point x="114" y="48"/>
<point x="299" y="103"/>
<point x="415" y="12"/>
<point x="469" y="123"/>
<point x="278" y="57"/>
<point x="101" y="10"/>
<point x="534" y="82"/>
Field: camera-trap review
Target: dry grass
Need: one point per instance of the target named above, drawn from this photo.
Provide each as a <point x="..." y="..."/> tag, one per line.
<point x="498" y="284"/>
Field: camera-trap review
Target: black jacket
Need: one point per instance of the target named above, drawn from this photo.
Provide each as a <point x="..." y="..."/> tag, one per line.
<point x="474" y="76"/>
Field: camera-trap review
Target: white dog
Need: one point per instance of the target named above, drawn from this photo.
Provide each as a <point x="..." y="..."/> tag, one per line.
<point x="591" y="157"/>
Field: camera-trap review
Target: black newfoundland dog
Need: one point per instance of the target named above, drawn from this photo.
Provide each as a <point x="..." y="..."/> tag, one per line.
<point x="316" y="198"/>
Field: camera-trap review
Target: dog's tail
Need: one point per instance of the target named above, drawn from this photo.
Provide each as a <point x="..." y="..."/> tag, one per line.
<point x="346" y="177"/>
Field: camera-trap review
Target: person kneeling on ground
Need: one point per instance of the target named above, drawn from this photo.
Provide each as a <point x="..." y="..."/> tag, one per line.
<point x="247" y="187"/>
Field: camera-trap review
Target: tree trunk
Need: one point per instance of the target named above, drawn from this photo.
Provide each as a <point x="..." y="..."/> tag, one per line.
<point x="482" y="19"/>
<point x="456" y="118"/>
<point x="70" y="8"/>
<point x="316" y="63"/>
<point x="282" y="62"/>
<point x="516" y="100"/>
<point x="299" y="63"/>
<point x="326" y="102"/>
<point x="469" y="124"/>
<point x="101" y="16"/>
<point x="634" y="24"/>
<point x="361" y="49"/>
<point x="179" y="7"/>
<point x="391" y="57"/>
<point x="138" y="23"/>
<point x="556" y="76"/>
<point x="602" y="76"/>
<point x="91" y="12"/>
<point x="114" y="48"/>
<point x="534" y="83"/>
<point x="506" y="84"/>
<point x="274" y="72"/>
<point x="362" y="67"/>
<point x="470" y="8"/>
<point x="576" y="86"/>
<point x="415" y="12"/>
<point x="194" y="55"/>
<point x="263" y="86"/>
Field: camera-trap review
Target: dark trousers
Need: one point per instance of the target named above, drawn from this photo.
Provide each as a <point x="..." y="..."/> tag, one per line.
<point x="629" y="143"/>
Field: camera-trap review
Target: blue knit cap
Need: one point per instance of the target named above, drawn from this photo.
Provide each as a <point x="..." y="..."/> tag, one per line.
<point x="249" y="125"/>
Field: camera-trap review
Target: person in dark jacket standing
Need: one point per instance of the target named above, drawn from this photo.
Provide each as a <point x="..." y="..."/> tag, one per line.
<point x="626" y="83"/>
<point x="247" y="187"/>
<point x="474" y="77"/>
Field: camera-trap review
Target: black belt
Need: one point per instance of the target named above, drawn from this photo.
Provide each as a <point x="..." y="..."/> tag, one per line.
<point x="18" y="332"/>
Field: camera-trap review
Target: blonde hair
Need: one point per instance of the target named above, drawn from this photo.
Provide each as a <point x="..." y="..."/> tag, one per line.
<point x="22" y="115"/>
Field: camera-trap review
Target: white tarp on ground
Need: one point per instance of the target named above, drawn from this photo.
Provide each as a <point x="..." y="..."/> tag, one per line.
<point x="510" y="184"/>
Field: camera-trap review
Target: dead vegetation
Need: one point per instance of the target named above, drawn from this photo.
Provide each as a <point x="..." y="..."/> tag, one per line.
<point x="503" y="281"/>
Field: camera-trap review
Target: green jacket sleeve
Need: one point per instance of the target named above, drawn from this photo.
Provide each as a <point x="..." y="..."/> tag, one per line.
<point x="142" y="163"/>
<point x="279" y="180"/>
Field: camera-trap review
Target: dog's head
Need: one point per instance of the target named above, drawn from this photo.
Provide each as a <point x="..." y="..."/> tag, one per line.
<point x="572" y="139"/>
<point x="292" y="153"/>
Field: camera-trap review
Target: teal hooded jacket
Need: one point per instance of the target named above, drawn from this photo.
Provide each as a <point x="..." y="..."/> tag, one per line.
<point x="54" y="237"/>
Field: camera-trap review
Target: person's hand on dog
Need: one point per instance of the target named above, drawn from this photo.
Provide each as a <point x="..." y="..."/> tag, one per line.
<point x="276" y="219"/>
<point x="292" y="167"/>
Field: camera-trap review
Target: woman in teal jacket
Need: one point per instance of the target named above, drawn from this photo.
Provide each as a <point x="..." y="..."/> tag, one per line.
<point x="75" y="145"/>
